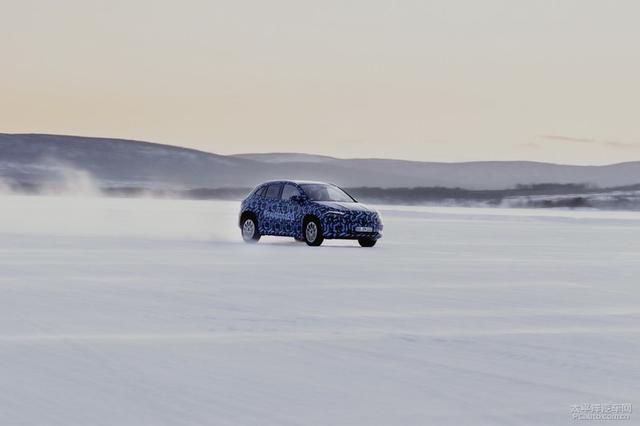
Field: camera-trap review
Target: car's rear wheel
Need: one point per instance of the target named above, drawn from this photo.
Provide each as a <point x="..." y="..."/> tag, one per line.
<point x="367" y="242"/>
<point x="313" y="232"/>
<point x="250" y="233"/>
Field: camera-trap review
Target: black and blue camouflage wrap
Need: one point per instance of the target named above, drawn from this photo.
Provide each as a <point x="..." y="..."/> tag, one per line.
<point x="285" y="217"/>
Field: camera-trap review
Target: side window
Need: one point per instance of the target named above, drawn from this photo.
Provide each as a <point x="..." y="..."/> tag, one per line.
<point x="273" y="190"/>
<point x="260" y="191"/>
<point x="289" y="191"/>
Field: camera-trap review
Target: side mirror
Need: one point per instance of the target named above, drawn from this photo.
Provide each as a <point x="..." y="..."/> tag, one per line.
<point x="298" y="199"/>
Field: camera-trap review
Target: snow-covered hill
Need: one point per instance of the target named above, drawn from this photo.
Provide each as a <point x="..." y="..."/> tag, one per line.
<point x="38" y="157"/>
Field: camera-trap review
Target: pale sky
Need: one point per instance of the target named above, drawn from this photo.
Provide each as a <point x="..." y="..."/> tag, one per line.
<point x="448" y="80"/>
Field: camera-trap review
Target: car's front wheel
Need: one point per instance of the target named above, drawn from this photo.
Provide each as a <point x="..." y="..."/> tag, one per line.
<point x="367" y="242"/>
<point x="313" y="232"/>
<point x="250" y="233"/>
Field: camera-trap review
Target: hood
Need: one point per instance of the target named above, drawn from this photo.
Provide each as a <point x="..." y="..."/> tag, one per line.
<point x="343" y="207"/>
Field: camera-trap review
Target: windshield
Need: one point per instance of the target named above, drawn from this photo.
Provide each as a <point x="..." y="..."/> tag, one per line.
<point x="323" y="192"/>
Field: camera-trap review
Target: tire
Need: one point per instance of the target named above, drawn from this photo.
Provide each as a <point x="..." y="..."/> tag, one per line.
<point x="367" y="242"/>
<point x="249" y="230"/>
<point x="312" y="232"/>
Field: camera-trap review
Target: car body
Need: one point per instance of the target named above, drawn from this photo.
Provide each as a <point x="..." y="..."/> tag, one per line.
<point x="307" y="211"/>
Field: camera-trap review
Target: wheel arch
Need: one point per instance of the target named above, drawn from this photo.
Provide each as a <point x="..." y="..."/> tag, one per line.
<point x="309" y="216"/>
<point x="247" y="214"/>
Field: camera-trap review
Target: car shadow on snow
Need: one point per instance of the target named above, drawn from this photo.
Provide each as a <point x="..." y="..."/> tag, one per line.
<point x="303" y="245"/>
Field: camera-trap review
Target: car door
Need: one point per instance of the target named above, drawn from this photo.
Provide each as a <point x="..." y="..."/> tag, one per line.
<point x="291" y="210"/>
<point x="269" y="220"/>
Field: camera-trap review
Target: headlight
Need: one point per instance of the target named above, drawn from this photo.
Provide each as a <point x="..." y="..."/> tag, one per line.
<point x="336" y="212"/>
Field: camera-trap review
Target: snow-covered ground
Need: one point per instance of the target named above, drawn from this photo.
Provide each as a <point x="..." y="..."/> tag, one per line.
<point x="153" y="312"/>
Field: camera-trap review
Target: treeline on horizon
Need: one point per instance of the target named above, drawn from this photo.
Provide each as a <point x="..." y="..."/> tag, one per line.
<point x="534" y="195"/>
<point x="559" y="195"/>
<point x="391" y="195"/>
<point x="489" y="196"/>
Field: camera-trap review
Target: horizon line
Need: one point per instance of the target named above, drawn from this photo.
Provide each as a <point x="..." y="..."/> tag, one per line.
<point x="312" y="154"/>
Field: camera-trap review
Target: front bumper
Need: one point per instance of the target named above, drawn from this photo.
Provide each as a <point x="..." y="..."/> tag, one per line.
<point x="352" y="230"/>
<point x="352" y="225"/>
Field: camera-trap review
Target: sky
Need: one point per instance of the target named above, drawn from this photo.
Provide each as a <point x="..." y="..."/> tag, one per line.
<point x="455" y="80"/>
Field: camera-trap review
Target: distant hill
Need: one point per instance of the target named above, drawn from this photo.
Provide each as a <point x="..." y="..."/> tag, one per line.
<point x="287" y="157"/>
<point x="34" y="158"/>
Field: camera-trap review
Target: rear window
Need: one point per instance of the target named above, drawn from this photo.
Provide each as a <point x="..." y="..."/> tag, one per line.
<point x="273" y="190"/>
